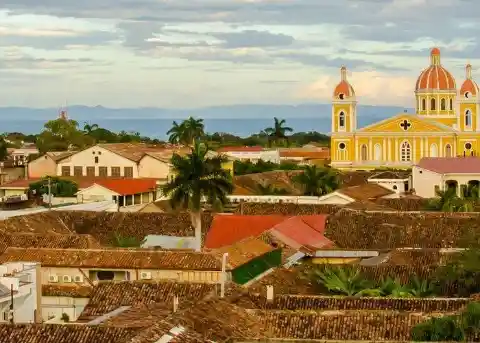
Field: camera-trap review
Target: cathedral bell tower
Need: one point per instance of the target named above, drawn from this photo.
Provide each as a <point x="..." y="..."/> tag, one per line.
<point x="344" y="105"/>
<point x="469" y="101"/>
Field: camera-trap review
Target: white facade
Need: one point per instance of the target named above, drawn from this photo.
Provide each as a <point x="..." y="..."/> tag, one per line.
<point x="254" y="156"/>
<point x="55" y="307"/>
<point x="395" y="185"/>
<point x="425" y="182"/>
<point x="23" y="278"/>
<point x="97" y="161"/>
<point x="96" y="193"/>
<point x="20" y="155"/>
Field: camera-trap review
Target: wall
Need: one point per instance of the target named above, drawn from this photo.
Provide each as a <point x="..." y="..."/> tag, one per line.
<point x="152" y="168"/>
<point x="41" y="167"/>
<point x="55" y="306"/>
<point x="397" y="186"/>
<point x="327" y="199"/>
<point x="424" y="181"/>
<point x="179" y="275"/>
<point x="106" y="158"/>
<point x="13" y="173"/>
<point x="95" y="193"/>
<point x="60" y="200"/>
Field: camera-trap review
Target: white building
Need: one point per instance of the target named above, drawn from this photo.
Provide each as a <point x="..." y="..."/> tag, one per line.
<point x="442" y="173"/>
<point x="21" y="155"/>
<point x="20" y="281"/>
<point x="251" y="153"/>
<point x="398" y="182"/>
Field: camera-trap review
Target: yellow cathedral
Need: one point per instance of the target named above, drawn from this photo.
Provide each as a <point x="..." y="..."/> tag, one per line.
<point x="445" y="124"/>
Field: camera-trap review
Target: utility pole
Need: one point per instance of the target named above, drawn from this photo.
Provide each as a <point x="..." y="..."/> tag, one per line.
<point x="49" y="193"/>
<point x="224" y="275"/>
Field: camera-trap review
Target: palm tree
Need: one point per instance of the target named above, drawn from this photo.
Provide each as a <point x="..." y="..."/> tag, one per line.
<point x="176" y="133"/>
<point x="317" y="181"/>
<point x="197" y="178"/>
<point x="278" y="131"/>
<point x="449" y="201"/>
<point x="346" y="280"/>
<point x="88" y="129"/>
<point x="194" y="129"/>
<point x="270" y="190"/>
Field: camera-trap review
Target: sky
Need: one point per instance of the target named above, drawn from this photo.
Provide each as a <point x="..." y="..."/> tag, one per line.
<point x="197" y="53"/>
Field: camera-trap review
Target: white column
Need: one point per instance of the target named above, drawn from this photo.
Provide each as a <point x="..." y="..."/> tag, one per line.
<point x="396" y="149"/>
<point x="356" y="149"/>
<point x="427" y="148"/>
<point x="384" y="150"/>
<point x="389" y="152"/>
<point x="370" y="149"/>
<point x="440" y="148"/>
<point x="454" y="152"/>
<point x="414" y="149"/>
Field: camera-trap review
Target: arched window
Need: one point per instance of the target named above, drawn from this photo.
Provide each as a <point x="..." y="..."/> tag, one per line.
<point x="405" y="152"/>
<point x="364" y="153"/>
<point x="432" y="104"/>
<point x="451" y="104"/>
<point x="341" y="120"/>
<point x="433" y="150"/>
<point x="448" y="150"/>
<point x="443" y="105"/>
<point x="424" y="104"/>
<point x="378" y="152"/>
<point x="468" y="118"/>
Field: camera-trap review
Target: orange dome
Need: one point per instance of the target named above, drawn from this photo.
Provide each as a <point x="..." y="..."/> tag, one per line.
<point x="344" y="89"/>
<point x="435" y="77"/>
<point x="469" y="86"/>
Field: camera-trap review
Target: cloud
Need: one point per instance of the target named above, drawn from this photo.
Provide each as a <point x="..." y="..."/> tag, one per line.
<point x="369" y="86"/>
<point x="253" y="38"/>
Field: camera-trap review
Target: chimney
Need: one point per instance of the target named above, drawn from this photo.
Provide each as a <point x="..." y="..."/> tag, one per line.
<point x="270" y="294"/>
<point x="175" y="303"/>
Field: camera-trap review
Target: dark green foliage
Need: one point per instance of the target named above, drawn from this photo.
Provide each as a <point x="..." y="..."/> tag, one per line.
<point x="278" y="133"/>
<point x="186" y="132"/>
<point x="121" y="241"/>
<point x="59" y="187"/>
<point x="247" y="167"/>
<point x="271" y="190"/>
<point x="317" y="181"/>
<point x="443" y="329"/>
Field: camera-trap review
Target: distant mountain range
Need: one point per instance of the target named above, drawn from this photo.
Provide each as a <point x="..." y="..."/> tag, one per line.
<point x="241" y="120"/>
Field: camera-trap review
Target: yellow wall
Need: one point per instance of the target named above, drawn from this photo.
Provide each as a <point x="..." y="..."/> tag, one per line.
<point x="346" y="108"/>
<point x="473" y="110"/>
<point x="334" y="260"/>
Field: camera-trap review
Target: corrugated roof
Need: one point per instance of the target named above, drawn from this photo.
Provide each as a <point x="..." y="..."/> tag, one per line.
<point x="244" y="251"/>
<point x="448" y="165"/>
<point x="128" y="186"/>
<point x="136" y="151"/>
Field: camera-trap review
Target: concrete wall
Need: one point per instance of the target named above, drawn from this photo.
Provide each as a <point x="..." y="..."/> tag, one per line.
<point x="424" y="182"/>
<point x="13" y="173"/>
<point x="41" y="167"/>
<point x="152" y="168"/>
<point x="56" y="306"/>
<point x="106" y="158"/>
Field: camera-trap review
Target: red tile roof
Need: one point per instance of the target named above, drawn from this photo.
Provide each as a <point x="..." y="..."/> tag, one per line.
<point x="128" y="186"/>
<point x="229" y="229"/>
<point x="240" y="148"/>
<point x="446" y="165"/>
<point x="297" y="233"/>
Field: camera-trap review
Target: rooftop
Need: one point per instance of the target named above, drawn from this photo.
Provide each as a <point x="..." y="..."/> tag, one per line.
<point x="390" y="175"/>
<point x="451" y="165"/>
<point x="244" y="251"/>
<point x="136" y="151"/>
<point x="72" y="291"/>
<point x="62" y="241"/>
<point x="365" y="192"/>
<point x="128" y="186"/>
<point x="114" y="258"/>
<point x="108" y="296"/>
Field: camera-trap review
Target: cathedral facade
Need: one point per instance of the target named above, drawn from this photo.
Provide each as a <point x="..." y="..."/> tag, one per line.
<point x="445" y="123"/>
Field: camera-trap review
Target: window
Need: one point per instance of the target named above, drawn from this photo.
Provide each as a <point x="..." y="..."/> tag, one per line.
<point x="77" y="171"/>
<point x="468" y="146"/>
<point x="96" y="159"/>
<point x="443" y="105"/>
<point x="467" y="95"/>
<point x="433" y="150"/>
<point x="65" y="171"/>
<point x="105" y="275"/>
<point x="128" y="171"/>
<point x="341" y="120"/>
<point x="424" y="104"/>
<point x="405" y="152"/>
<point x="394" y="187"/>
<point x="90" y="171"/>
<point x="363" y="153"/>
<point x="341" y="96"/>
<point x="432" y="104"/>
<point x="448" y="150"/>
<point x="102" y="171"/>
<point x="116" y="171"/>
<point x="468" y="118"/>
<point x="341" y="146"/>
<point x="451" y="104"/>
<point x="5" y="316"/>
<point x="378" y="152"/>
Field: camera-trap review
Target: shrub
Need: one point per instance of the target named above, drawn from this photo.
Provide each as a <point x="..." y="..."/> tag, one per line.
<point x="443" y="329"/>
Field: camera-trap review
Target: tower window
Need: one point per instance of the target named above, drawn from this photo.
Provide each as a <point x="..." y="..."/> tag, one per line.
<point x="432" y="104"/>
<point x="405" y="152"/>
<point x="341" y="119"/>
<point x="341" y="96"/>
<point x="443" y="105"/>
<point x="468" y="146"/>
<point x="467" y="95"/>
<point x="424" y="104"/>
<point x="451" y="104"/>
<point x="341" y="146"/>
<point x="468" y="118"/>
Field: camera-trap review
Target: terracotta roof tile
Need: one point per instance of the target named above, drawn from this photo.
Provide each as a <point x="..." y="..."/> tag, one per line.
<point x="109" y="296"/>
<point x="73" y="291"/>
<point x="297" y="232"/>
<point x="55" y="333"/>
<point x="369" y="191"/>
<point x="240" y="148"/>
<point x="114" y="258"/>
<point x="390" y="175"/>
<point x="244" y="251"/>
<point x="446" y="165"/>
<point x="30" y="240"/>
<point x="136" y="151"/>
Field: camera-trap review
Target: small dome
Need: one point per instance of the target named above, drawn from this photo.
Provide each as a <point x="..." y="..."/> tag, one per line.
<point x="344" y="89"/>
<point x="435" y="77"/>
<point x="469" y="86"/>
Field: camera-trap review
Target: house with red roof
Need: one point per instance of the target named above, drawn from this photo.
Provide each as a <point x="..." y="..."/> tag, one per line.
<point x="442" y="173"/>
<point x="124" y="192"/>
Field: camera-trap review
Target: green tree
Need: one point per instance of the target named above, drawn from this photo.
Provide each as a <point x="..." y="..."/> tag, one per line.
<point x="198" y="178"/>
<point x="449" y="201"/>
<point x="3" y="149"/>
<point x="443" y="329"/>
<point x="186" y="132"/>
<point x="89" y="128"/>
<point x="176" y="133"/>
<point x="126" y="241"/>
<point x="277" y="133"/>
<point x="317" y="181"/>
<point x="270" y="190"/>
<point x="59" y="187"/>
<point x="59" y="135"/>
